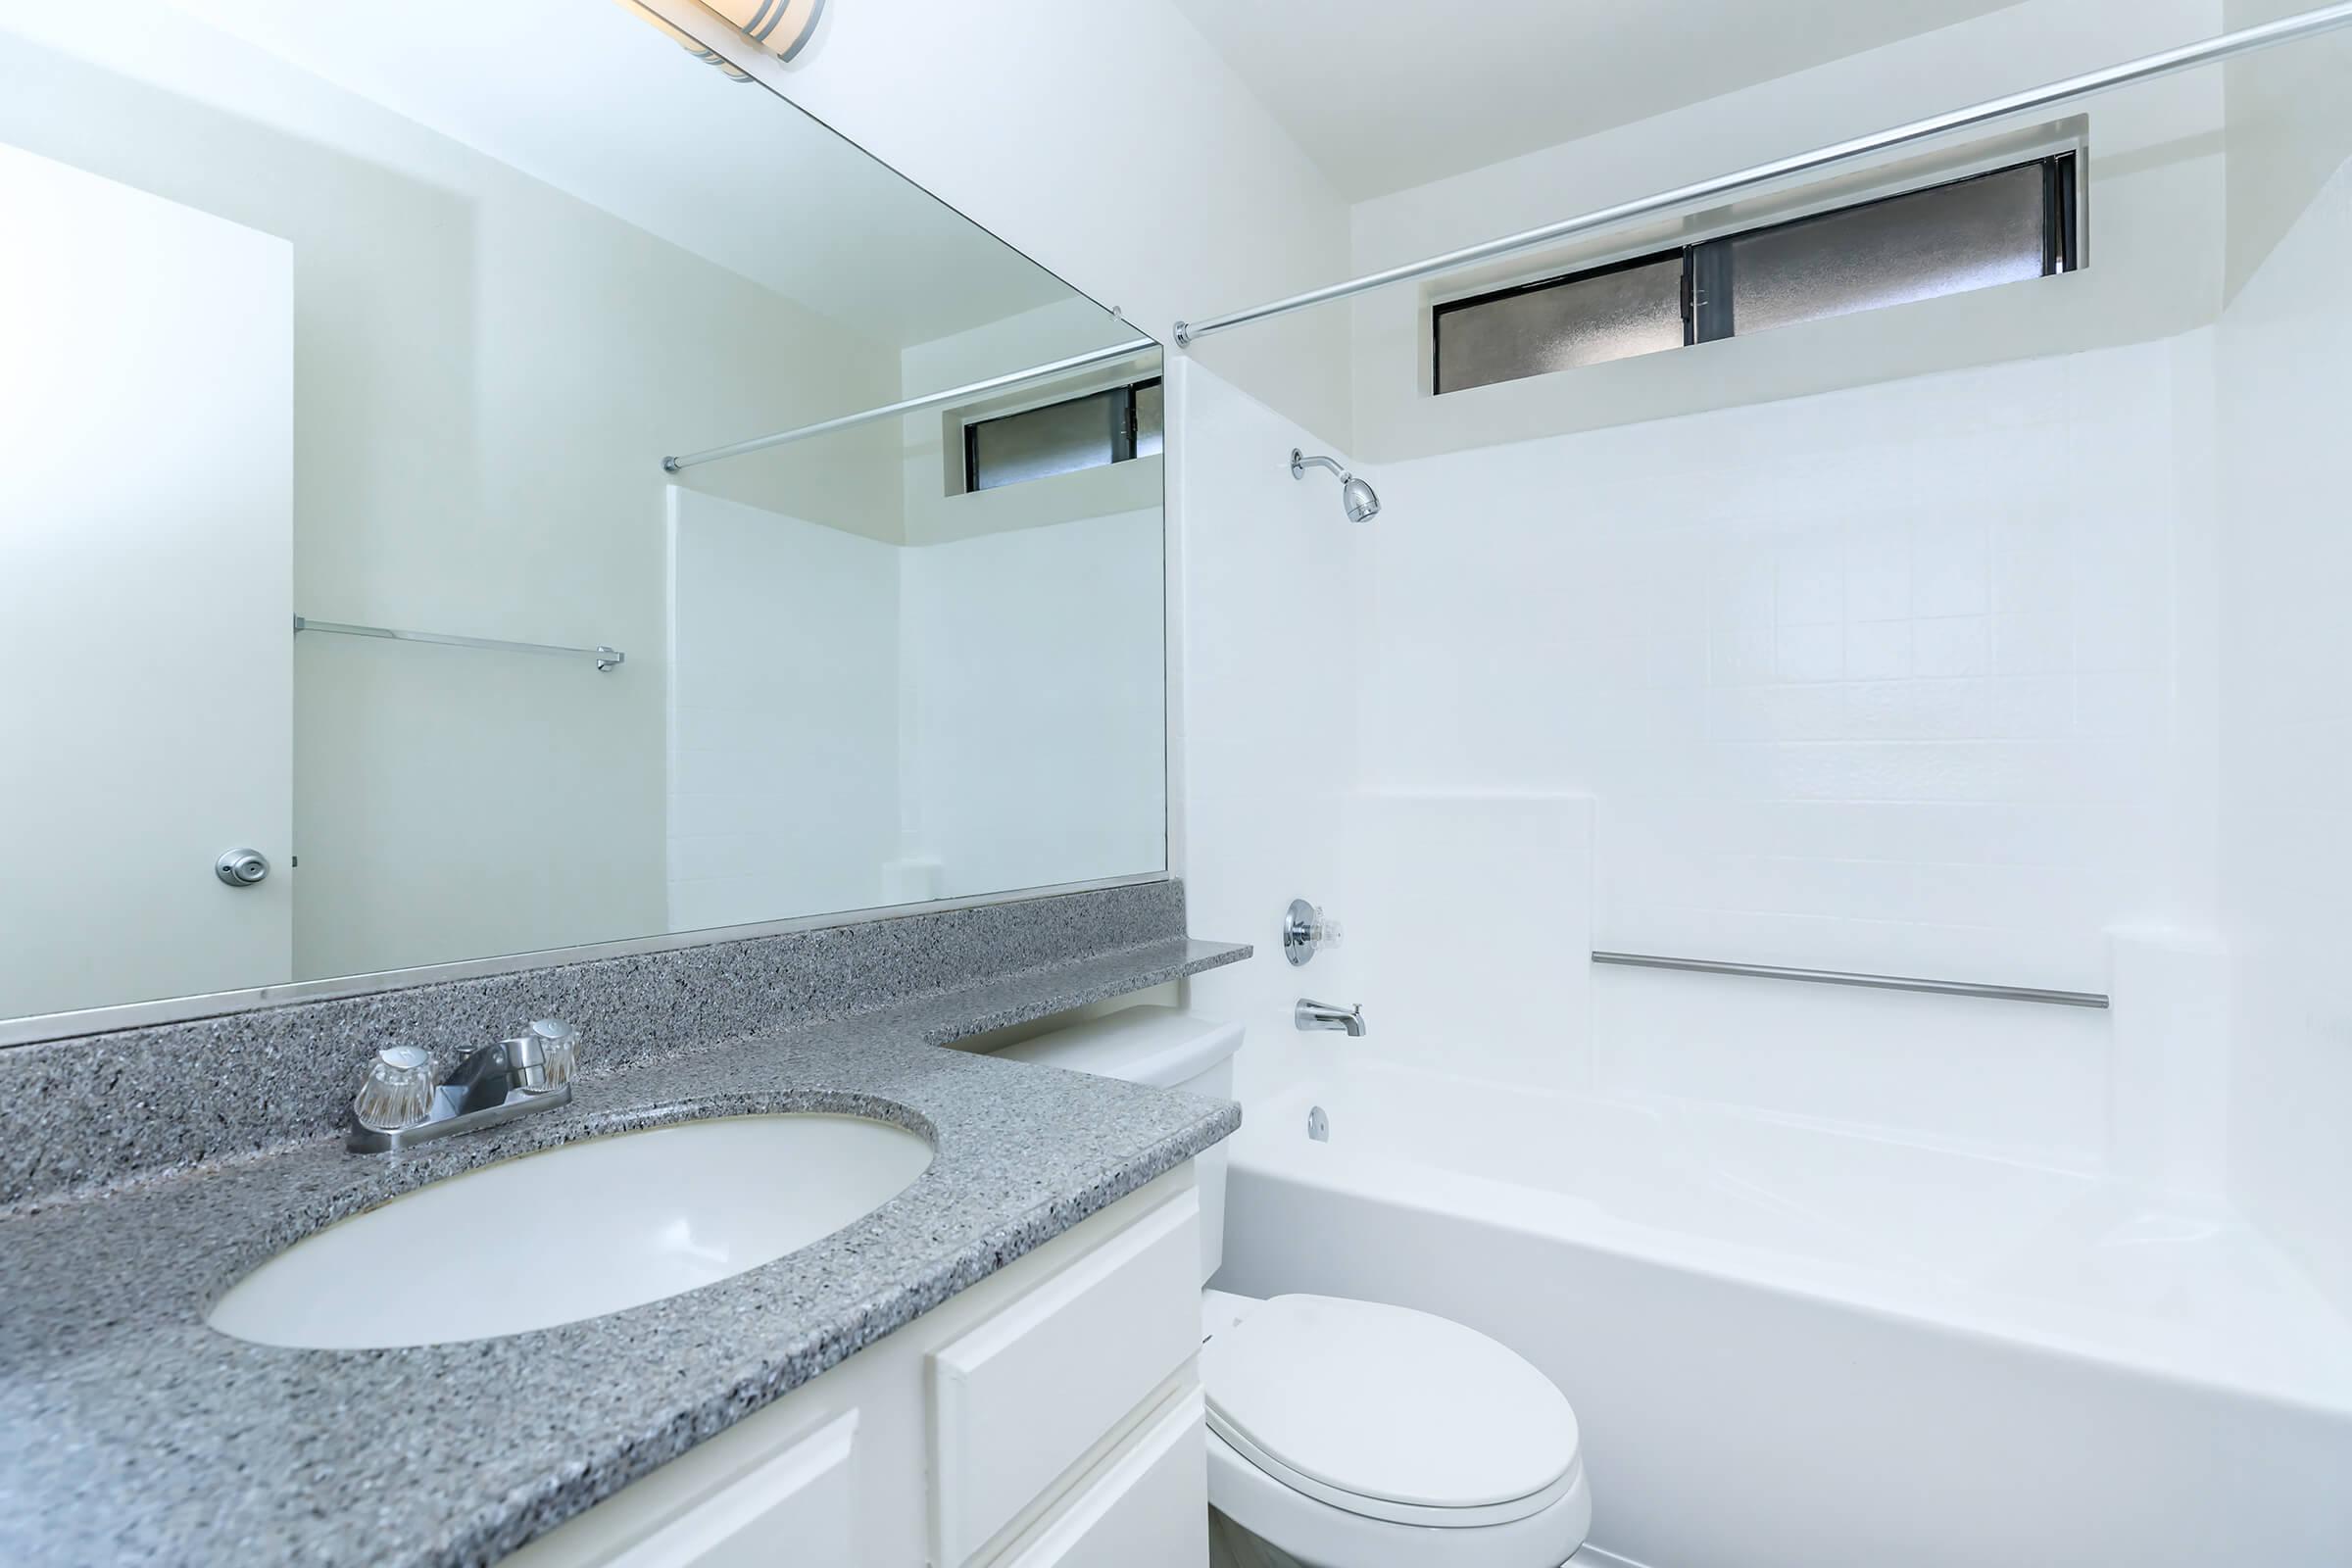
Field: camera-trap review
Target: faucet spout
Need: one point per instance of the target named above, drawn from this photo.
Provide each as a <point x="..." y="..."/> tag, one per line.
<point x="1323" y="1015"/>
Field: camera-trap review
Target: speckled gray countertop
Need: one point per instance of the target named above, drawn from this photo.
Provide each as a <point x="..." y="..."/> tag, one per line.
<point x="129" y="1431"/>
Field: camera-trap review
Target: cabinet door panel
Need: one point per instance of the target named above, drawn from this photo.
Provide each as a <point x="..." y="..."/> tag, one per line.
<point x="798" y="1507"/>
<point x="1024" y="1396"/>
<point x="1147" y="1508"/>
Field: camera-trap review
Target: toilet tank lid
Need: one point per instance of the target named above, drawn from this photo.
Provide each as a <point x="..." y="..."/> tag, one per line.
<point x="1150" y="1044"/>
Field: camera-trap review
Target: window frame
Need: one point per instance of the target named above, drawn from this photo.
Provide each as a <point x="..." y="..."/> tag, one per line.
<point x="1125" y="430"/>
<point x="1707" y="289"/>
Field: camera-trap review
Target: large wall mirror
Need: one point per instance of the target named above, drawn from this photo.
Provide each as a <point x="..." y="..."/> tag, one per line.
<point x="341" y="348"/>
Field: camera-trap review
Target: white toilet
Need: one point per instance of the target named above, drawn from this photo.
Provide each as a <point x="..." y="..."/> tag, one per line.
<point x="1346" y="1433"/>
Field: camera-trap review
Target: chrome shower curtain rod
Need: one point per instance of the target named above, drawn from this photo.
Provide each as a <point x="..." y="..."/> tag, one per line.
<point x="929" y="400"/>
<point x="2148" y="68"/>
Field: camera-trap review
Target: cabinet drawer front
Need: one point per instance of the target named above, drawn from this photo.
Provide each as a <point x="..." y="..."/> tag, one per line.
<point x="1147" y="1508"/>
<point x="798" y="1507"/>
<point x="1026" y="1396"/>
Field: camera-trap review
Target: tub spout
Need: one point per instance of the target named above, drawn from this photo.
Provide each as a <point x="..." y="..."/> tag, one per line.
<point x="1323" y="1015"/>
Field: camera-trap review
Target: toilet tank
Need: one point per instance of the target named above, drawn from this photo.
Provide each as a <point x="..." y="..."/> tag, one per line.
<point x="1167" y="1048"/>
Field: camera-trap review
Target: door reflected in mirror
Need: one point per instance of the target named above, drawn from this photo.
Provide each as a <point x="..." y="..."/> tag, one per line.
<point x="334" y="325"/>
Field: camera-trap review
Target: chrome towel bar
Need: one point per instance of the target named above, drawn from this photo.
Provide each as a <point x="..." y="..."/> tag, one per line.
<point x="606" y="657"/>
<point x="1868" y="982"/>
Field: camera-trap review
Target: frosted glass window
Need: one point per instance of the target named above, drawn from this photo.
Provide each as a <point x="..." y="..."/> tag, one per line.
<point x="1082" y="432"/>
<point x="1968" y="235"/>
<point x="1059" y="438"/>
<point x="1613" y="315"/>
<point x="2002" y="227"/>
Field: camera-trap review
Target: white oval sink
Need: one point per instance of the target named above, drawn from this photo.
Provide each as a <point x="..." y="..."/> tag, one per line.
<point x="574" y="1233"/>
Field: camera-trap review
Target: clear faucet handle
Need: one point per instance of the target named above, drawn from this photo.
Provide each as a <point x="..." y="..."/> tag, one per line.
<point x="398" y="1091"/>
<point x="559" y="1048"/>
<point x="1306" y="929"/>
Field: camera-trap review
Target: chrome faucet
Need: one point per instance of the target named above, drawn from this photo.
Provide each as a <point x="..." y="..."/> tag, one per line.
<point x="401" y="1105"/>
<point x="1323" y="1015"/>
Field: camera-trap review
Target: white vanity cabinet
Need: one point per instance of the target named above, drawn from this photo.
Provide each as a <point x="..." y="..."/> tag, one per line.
<point x="1048" y="1417"/>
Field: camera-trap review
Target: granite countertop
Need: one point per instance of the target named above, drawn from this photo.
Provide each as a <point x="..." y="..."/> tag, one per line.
<point x="129" y="1431"/>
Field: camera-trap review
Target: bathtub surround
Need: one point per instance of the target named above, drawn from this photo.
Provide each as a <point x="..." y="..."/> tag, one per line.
<point x="1965" y="732"/>
<point x="2287" y="740"/>
<point x="962" y="714"/>
<point x="1467" y="918"/>
<point x="1880" y="680"/>
<point x="783" y="647"/>
<point x="98" y="1111"/>
<point x="130" y="1430"/>
<point x="2047" y="706"/>
<point x="1035" y="745"/>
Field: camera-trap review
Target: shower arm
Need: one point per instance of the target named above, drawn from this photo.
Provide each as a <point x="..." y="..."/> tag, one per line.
<point x="1300" y="462"/>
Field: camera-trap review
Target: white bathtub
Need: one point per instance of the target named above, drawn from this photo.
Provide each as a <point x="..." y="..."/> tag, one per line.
<point x="1790" y="1344"/>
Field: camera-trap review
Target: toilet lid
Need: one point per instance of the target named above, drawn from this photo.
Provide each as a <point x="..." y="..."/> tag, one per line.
<point x="1390" y="1406"/>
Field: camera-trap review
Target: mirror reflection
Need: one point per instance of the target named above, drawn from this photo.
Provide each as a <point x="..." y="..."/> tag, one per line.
<point x="354" y="620"/>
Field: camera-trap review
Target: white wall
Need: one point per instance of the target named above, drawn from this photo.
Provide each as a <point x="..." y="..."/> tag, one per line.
<point x="2290" y="127"/>
<point x="2287" y="827"/>
<point x="784" y="671"/>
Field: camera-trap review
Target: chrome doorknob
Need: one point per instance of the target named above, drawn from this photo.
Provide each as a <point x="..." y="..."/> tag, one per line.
<point x="241" y="868"/>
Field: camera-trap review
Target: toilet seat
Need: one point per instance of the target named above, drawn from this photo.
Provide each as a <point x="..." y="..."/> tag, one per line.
<point x="1391" y="1414"/>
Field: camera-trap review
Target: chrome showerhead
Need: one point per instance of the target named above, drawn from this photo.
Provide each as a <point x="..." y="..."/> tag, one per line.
<point x="1357" y="496"/>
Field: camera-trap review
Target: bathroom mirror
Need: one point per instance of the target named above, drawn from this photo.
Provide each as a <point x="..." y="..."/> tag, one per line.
<point x="352" y="619"/>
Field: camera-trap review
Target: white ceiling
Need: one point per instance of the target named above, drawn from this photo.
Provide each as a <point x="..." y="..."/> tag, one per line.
<point x="1387" y="94"/>
<point x="591" y="99"/>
